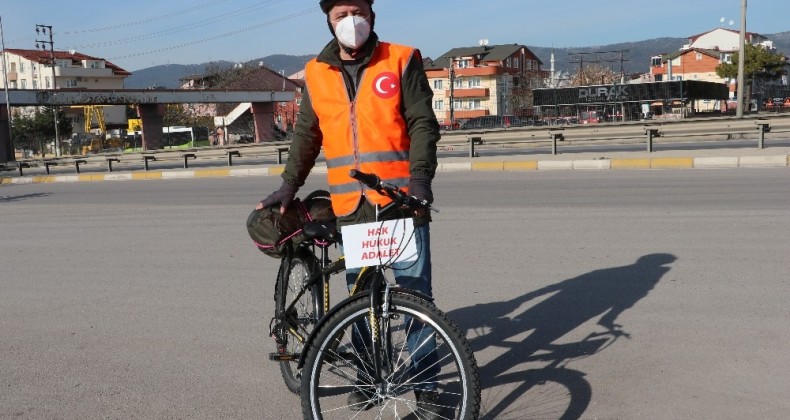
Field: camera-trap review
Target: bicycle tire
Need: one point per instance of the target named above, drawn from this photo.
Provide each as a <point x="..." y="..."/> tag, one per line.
<point x="308" y="311"/>
<point x="333" y="368"/>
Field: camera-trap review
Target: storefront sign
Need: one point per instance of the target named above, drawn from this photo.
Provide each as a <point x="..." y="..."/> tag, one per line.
<point x="603" y="92"/>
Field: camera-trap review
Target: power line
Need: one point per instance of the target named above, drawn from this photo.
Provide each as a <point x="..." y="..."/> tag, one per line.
<point x="598" y="57"/>
<point x="169" y="31"/>
<point x="148" y="20"/>
<point x="224" y="35"/>
<point x="138" y="22"/>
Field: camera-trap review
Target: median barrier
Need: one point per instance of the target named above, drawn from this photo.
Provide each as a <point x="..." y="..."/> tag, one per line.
<point x="725" y="128"/>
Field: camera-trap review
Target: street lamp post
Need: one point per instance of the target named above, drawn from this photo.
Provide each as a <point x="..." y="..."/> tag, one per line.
<point x="43" y="29"/>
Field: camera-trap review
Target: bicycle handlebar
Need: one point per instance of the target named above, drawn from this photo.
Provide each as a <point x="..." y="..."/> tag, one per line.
<point x="372" y="181"/>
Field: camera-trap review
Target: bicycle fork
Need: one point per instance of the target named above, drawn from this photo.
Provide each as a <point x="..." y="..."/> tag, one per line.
<point x="381" y="338"/>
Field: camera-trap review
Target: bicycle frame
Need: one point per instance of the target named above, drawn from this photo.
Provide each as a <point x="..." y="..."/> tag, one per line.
<point x="328" y="269"/>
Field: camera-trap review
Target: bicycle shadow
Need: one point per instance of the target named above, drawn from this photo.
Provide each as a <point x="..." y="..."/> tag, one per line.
<point x="516" y="391"/>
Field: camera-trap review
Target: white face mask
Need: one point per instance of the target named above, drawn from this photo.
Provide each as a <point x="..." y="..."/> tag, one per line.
<point x="352" y="31"/>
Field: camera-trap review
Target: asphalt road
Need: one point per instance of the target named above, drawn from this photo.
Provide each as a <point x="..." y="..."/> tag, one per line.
<point x="596" y="295"/>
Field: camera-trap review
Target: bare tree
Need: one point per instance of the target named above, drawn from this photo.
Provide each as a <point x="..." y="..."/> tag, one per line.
<point x="594" y="74"/>
<point x="521" y="98"/>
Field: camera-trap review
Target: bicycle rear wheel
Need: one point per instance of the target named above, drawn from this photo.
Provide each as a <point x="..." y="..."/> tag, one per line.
<point x="340" y="363"/>
<point x="305" y="314"/>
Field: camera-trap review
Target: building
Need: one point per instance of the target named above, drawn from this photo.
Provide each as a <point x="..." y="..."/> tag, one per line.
<point x="694" y="64"/>
<point x="32" y="69"/>
<point x="625" y="102"/>
<point x="726" y="40"/>
<point x="698" y="59"/>
<point x="477" y="81"/>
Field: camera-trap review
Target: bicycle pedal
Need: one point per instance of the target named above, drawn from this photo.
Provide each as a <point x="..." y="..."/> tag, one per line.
<point x="283" y="357"/>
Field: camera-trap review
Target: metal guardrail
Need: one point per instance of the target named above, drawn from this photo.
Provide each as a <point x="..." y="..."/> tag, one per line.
<point x="143" y="159"/>
<point x="723" y="128"/>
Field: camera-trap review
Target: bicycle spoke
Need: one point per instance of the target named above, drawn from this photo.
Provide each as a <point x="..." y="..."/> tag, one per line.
<point x="418" y="350"/>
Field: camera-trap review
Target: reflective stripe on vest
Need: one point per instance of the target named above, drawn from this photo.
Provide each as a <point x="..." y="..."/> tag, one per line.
<point x="369" y="133"/>
<point x="368" y="157"/>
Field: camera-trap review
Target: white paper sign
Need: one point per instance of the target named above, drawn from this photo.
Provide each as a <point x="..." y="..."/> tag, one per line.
<point x="379" y="243"/>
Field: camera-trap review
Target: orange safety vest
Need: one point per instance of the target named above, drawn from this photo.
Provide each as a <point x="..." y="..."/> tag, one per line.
<point x="369" y="133"/>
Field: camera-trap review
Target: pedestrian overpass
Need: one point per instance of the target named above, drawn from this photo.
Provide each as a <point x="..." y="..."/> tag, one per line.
<point x="150" y="106"/>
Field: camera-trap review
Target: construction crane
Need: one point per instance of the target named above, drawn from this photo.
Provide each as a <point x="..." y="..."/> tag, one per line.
<point x="94" y="141"/>
<point x="98" y="131"/>
<point x="91" y="111"/>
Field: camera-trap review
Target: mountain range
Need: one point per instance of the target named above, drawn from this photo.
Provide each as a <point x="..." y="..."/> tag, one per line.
<point x="635" y="60"/>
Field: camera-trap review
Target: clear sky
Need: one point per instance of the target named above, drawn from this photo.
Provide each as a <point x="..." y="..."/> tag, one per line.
<point x="143" y="33"/>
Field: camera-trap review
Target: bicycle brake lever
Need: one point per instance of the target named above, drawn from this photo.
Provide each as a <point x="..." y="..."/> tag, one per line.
<point x="424" y="204"/>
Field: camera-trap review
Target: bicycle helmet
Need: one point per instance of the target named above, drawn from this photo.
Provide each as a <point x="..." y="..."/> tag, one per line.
<point x="327" y="4"/>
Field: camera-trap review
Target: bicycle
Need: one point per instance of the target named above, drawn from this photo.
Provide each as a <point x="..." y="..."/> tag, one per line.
<point x="302" y="293"/>
<point x="360" y="346"/>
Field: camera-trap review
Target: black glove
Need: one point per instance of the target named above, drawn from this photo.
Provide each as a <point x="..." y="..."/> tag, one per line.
<point x="283" y="196"/>
<point x="420" y="187"/>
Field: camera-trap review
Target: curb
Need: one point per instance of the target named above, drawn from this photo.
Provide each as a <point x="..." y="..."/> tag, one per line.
<point x="778" y="161"/>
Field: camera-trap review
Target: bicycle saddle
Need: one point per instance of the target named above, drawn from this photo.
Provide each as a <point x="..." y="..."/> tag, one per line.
<point x="322" y="230"/>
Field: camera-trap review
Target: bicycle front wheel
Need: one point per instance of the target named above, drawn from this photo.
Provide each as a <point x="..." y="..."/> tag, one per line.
<point x="304" y="315"/>
<point x="421" y="353"/>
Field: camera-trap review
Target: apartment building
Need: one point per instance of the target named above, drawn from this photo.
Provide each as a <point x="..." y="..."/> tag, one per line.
<point x="698" y="59"/>
<point x="478" y="81"/>
<point x="32" y="69"/>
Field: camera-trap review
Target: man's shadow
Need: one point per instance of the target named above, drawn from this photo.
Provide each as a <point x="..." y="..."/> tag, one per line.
<point x="601" y="294"/>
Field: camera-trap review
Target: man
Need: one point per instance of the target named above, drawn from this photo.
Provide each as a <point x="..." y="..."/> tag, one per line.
<point x="369" y="105"/>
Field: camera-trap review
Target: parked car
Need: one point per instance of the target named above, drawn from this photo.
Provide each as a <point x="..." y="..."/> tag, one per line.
<point x="446" y="126"/>
<point x="493" y="121"/>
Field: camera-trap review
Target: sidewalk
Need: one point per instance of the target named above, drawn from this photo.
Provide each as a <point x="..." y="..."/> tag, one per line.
<point x="751" y="157"/>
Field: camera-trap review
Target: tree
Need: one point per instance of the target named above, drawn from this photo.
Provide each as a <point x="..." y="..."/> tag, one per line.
<point x="22" y="132"/>
<point x="65" y="126"/>
<point x="35" y="130"/>
<point x="594" y="74"/>
<point x="760" y="63"/>
<point x="521" y="98"/>
<point x="176" y="115"/>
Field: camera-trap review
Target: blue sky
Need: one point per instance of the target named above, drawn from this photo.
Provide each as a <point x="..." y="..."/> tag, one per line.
<point x="154" y="32"/>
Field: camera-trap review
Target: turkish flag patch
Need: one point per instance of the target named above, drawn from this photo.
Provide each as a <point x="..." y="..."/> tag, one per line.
<point x="386" y="85"/>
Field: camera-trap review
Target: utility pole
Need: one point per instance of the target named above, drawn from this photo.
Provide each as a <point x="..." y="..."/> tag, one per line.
<point x="452" y="99"/>
<point x="10" y="149"/>
<point x="741" y="62"/>
<point x="43" y="30"/>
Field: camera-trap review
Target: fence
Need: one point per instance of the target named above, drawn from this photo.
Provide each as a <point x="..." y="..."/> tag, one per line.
<point x="649" y="132"/>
